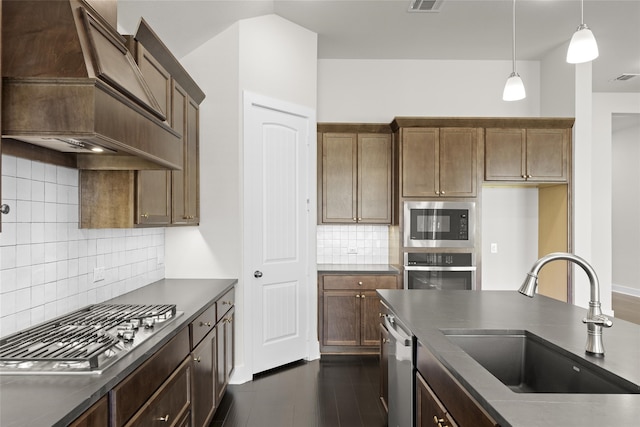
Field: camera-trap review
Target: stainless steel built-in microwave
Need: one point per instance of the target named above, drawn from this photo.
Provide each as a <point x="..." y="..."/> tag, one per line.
<point x="439" y="224"/>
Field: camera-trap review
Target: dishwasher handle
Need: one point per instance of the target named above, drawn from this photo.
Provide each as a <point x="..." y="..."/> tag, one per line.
<point x="397" y="335"/>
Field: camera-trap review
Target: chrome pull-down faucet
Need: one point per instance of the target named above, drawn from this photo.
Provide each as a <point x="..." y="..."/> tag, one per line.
<point x="595" y="320"/>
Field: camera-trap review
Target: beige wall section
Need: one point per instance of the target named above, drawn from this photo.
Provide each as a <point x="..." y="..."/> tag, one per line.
<point x="553" y="230"/>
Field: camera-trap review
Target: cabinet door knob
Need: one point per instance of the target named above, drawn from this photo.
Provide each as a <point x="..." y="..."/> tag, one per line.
<point x="354" y="219"/>
<point x="357" y="295"/>
<point x="4" y="209"/>
<point x="196" y="359"/>
<point x="359" y="283"/>
<point x="207" y="324"/>
<point x="165" y="418"/>
<point x="145" y="215"/>
<point x="442" y="193"/>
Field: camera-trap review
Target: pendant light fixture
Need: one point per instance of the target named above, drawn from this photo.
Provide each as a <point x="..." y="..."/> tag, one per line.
<point x="583" y="46"/>
<point x="514" y="88"/>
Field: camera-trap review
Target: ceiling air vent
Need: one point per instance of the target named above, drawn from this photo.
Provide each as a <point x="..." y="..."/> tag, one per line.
<point x="626" y="76"/>
<point x="425" y="5"/>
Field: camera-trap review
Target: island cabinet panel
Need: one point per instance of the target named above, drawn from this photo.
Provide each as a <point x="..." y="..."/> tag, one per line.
<point x="454" y="400"/>
<point x="385" y="342"/>
<point x="355" y="178"/>
<point x="350" y="311"/>
<point x="132" y="393"/>
<point x="96" y="416"/>
<point x="429" y="410"/>
<point x="535" y="155"/>
<point x="439" y="162"/>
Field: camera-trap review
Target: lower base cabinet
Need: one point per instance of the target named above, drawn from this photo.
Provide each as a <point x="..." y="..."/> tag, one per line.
<point x="96" y="416"/>
<point x="441" y="400"/>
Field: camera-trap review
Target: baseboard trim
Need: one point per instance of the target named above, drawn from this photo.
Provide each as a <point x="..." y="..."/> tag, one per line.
<point x="626" y="290"/>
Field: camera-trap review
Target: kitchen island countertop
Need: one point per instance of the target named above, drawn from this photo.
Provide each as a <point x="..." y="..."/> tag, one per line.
<point x="56" y="400"/>
<point x="426" y="312"/>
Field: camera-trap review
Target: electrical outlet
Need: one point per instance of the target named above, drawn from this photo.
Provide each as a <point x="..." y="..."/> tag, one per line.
<point x="352" y="250"/>
<point x="494" y="248"/>
<point x="98" y="274"/>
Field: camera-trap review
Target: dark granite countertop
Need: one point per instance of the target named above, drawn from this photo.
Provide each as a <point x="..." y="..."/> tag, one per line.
<point x="427" y="312"/>
<point x="56" y="400"/>
<point x="357" y="269"/>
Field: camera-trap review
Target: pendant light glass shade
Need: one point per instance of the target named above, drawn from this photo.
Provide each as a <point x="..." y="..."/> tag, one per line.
<point x="514" y="88"/>
<point x="583" y="46"/>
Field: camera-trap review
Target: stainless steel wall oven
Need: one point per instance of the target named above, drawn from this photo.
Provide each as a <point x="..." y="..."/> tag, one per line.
<point x="438" y="271"/>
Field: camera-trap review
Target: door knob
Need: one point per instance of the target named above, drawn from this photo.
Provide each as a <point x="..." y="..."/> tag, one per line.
<point x="4" y="209"/>
<point x="257" y="274"/>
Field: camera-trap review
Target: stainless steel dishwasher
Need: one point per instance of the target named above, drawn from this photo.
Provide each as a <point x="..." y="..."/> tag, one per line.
<point x="401" y="353"/>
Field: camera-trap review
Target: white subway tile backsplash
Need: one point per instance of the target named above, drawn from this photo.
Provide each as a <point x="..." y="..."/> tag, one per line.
<point x="47" y="262"/>
<point x="336" y="244"/>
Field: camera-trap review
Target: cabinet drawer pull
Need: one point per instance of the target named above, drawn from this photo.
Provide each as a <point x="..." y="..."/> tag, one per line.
<point x="226" y="320"/>
<point x="207" y="324"/>
<point x="145" y="215"/>
<point x="165" y="418"/>
<point x="437" y="420"/>
<point x="227" y="303"/>
<point x="196" y="359"/>
<point x="357" y="295"/>
<point x="362" y="296"/>
<point x="359" y="283"/>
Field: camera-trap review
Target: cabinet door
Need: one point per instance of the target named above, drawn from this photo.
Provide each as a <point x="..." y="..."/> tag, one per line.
<point x="420" y="162"/>
<point x="203" y="402"/>
<point x="547" y="155"/>
<point x="339" y="179"/>
<point x="370" y="318"/>
<point x="429" y="410"/>
<point x="224" y="363"/>
<point x="458" y="162"/>
<point x="185" y="185"/>
<point x="374" y="178"/>
<point x="341" y="318"/>
<point x="504" y="153"/>
<point x="153" y="197"/>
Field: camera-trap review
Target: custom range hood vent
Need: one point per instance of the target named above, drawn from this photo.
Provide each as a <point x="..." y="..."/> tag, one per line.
<point x="425" y="5"/>
<point x="71" y="85"/>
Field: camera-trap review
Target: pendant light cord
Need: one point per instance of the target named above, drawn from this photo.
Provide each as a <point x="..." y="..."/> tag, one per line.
<point x="514" y="35"/>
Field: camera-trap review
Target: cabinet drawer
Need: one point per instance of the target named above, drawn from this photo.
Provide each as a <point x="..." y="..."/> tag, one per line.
<point x="202" y="325"/>
<point x="456" y="399"/>
<point x="360" y="282"/>
<point x="168" y="405"/>
<point x="225" y="303"/>
<point x="96" y="416"/>
<point x="128" y="396"/>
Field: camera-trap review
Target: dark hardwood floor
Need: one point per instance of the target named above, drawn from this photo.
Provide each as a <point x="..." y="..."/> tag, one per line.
<point x="335" y="391"/>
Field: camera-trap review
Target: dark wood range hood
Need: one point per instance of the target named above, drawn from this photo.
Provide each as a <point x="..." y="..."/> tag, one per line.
<point x="71" y="85"/>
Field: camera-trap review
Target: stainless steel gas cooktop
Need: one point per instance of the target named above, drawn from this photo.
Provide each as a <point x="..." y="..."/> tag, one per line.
<point x="86" y="341"/>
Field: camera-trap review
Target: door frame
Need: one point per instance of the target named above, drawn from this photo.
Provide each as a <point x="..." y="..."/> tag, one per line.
<point x="244" y="371"/>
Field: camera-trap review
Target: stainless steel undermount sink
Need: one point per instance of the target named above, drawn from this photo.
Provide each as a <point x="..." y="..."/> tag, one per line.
<point x="527" y="363"/>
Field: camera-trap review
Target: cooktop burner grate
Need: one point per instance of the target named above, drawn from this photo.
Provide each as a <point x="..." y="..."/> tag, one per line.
<point x="85" y="337"/>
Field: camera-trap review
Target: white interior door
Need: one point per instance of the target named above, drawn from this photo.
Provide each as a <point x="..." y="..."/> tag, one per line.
<point x="276" y="220"/>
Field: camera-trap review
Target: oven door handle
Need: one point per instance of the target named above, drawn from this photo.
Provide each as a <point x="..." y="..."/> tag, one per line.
<point x="399" y="337"/>
<point x="435" y="268"/>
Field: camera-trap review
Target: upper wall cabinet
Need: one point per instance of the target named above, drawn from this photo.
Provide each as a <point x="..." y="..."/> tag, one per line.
<point x="535" y="155"/>
<point x="355" y="177"/>
<point x="439" y="162"/>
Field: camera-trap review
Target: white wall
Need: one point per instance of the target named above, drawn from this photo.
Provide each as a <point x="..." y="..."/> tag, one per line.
<point x="510" y="220"/>
<point x="376" y="91"/>
<point x="598" y="230"/>
<point x="268" y="56"/>
<point x="557" y="84"/>
<point x="626" y="209"/>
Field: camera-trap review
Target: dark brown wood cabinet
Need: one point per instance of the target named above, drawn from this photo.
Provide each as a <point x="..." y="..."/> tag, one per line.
<point x="350" y="311"/>
<point x="213" y="350"/>
<point x="429" y="410"/>
<point x="96" y="416"/>
<point x="440" y="395"/>
<point x="535" y="155"/>
<point x="439" y="162"/>
<point x="355" y="178"/>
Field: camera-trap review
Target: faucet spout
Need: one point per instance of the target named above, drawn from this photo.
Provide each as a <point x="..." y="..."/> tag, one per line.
<point x="595" y="320"/>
